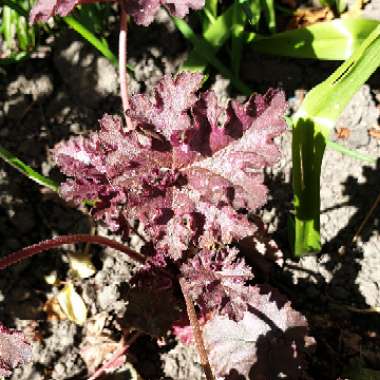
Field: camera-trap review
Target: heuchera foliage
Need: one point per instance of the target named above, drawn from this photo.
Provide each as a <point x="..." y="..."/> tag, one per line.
<point x="267" y="343"/>
<point x="217" y="281"/>
<point x="179" y="172"/>
<point x="14" y="350"/>
<point x="190" y="170"/>
<point x="142" y="11"/>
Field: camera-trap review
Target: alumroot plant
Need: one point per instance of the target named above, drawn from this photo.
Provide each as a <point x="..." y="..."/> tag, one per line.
<point x="190" y="180"/>
<point x="189" y="171"/>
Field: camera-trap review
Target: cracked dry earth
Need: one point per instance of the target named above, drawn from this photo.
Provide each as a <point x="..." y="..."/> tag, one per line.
<point x="46" y="100"/>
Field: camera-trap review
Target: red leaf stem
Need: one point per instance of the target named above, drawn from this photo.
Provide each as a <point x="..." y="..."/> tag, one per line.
<point x="45" y="245"/>
<point x="196" y="330"/>
<point x="116" y="355"/>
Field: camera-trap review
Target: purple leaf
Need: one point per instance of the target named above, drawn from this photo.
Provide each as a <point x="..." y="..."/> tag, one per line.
<point x="14" y="350"/>
<point x="142" y="11"/>
<point x="216" y="281"/>
<point x="167" y="109"/>
<point x="44" y="9"/>
<point x="181" y="173"/>
<point x="180" y="8"/>
<point x="268" y="343"/>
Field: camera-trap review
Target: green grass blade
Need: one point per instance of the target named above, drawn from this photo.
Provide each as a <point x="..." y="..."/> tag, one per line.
<point x="204" y="49"/>
<point x="210" y="13"/>
<point x="12" y="160"/>
<point x="212" y="7"/>
<point x="312" y="125"/>
<point x="341" y="5"/>
<point x="350" y="152"/>
<point x="85" y="16"/>
<point x="216" y="35"/>
<point x="7" y="24"/>
<point x="337" y="5"/>
<point x="332" y="40"/>
<point x="327" y="3"/>
<point x="15" y="6"/>
<point x="253" y="10"/>
<point x="15" y="29"/>
<point x="91" y="38"/>
<point x="100" y="45"/>
<point x="338" y="88"/>
<point x="14" y="58"/>
<point x="24" y="34"/>
<point x="93" y="16"/>
<point x="238" y="24"/>
<point x="194" y="63"/>
<point x="307" y="152"/>
<point x="220" y="31"/>
<point x="270" y="14"/>
<point x="208" y="20"/>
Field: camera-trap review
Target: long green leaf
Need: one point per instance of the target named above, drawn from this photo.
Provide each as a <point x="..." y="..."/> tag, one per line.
<point x="93" y="16"/>
<point x="326" y="101"/>
<point x="239" y="20"/>
<point x="15" y="6"/>
<point x="27" y="170"/>
<point x="350" y="152"/>
<point x="212" y="6"/>
<point x="14" y="58"/>
<point x="220" y="31"/>
<point x="25" y="34"/>
<point x="216" y="35"/>
<point x="338" y="5"/>
<point x="8" y="26"/>
<point x="204" y="49"/>
<point x="332" y="40"/>
<point x="210" y="13"/>
<point x="270" y="15"/>
<point x="313" y="124"/>
<point x="102" y="46"/>
<point x="91" y="38"/>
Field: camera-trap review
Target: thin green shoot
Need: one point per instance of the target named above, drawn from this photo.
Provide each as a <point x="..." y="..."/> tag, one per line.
<point x="355" y="154"/>
<point x="14" y="58"/>
<point x="91" y="38"/>
<point x="204" y="49"/>
<point x="238" y="25"/>
<point x="350" y="152"/>
<point x="338" y="6"/>
<point x="227" y="24"/>
<point x="269" y="14"/>
<point x="209" y="14"/>
<point x="100" y="45"/>
<point x="216" y="35"/>
<point x="25" y="169"/>
<point x="15" y="6"/>
<point x="17" y="35"/>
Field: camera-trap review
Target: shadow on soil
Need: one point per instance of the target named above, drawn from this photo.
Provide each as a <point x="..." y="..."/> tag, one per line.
<point x="339" y="318"/>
